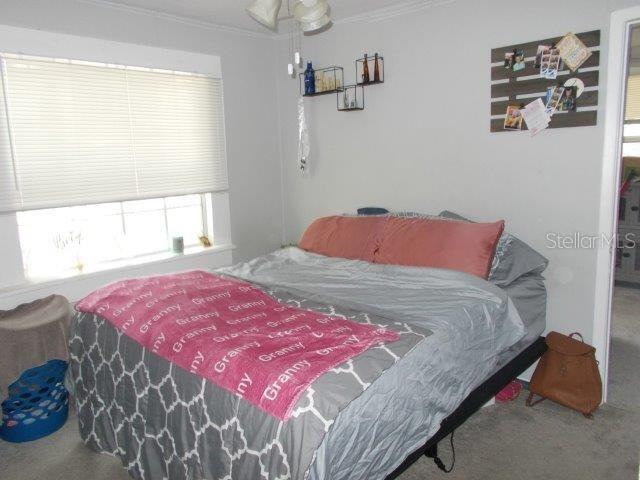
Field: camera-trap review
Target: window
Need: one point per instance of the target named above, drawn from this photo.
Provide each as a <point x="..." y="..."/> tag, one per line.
<point x="632" y="104"/>
<point x="631" y="140"/>
<point x="64" y="241"/>
<point x="82" y="133"/>
<point x="631" y="133"/>
<point x="103" y="164"/>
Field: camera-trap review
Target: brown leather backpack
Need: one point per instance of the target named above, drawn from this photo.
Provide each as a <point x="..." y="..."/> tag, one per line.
<point x="568" y="374"/>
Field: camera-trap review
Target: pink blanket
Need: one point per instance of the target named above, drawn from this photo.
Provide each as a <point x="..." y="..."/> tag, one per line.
<point x="233" y="334"/>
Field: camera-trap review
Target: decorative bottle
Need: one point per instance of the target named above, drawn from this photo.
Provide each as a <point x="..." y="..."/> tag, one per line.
<point x="309" y="80"/>
<point x="376" y="70"/>
<point x="365" y="70"/>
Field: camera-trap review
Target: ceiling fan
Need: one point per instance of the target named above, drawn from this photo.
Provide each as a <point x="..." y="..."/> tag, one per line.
<point x="312" y="15"/>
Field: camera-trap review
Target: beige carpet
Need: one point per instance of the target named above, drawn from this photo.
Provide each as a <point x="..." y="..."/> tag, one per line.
<point x="624" y="363"/>
<point x="503" y="442"/>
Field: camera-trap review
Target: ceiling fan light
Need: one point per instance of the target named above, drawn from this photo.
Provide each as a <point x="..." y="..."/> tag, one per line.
<point x="310" y="27"/>
<point x="313" y="15"/>
<point x="265" y="12"/>
<point x="309" y="14"/>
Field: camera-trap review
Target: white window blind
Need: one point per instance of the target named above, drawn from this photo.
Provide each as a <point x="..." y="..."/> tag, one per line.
<point x="86" y="133"/>
<point x="8" y="182"/>
<point x="632" y="108"/>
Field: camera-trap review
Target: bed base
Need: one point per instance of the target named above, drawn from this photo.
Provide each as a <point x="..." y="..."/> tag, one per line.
<point x="476" y="399"/>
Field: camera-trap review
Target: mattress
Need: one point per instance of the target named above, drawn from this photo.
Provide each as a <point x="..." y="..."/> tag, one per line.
<point x="530" y="298"/>
<point x="163" y="421"/>
<point x="406" y="405"/>
<point x="529" y="295"/>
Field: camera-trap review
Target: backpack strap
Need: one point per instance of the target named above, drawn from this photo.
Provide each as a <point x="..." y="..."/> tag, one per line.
<point x="577" y="335"/>
<point x="531" y="403"/>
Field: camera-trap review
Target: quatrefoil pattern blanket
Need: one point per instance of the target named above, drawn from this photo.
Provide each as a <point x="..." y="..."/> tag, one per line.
<point x="163" y="421"/>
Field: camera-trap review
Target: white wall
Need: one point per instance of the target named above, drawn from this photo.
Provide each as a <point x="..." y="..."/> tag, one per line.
<point x="250" y="99"/>
<point x="423" y="142"/>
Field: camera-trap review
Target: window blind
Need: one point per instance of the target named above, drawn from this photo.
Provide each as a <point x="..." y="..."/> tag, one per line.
<point x="8" y="181"/>
<point x="86" y="133"/>
<point x="632" y="108"/>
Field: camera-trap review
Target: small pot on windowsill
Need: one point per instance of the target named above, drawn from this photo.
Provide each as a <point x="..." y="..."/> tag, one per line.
<point x="177" y="245"/>
<point x="204" y="240"/>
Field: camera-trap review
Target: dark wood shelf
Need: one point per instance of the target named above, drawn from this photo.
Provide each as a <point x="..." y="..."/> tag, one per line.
<point x="352" y="109"/>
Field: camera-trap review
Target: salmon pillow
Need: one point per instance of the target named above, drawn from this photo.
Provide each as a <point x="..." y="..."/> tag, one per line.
<point x="463" y="246"/>
<point x="345" y="237"/>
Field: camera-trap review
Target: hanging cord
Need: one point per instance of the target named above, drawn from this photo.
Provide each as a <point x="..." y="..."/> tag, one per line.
<point x="12" y="147"/>
<point x="292" y="36"/>
<point x="299" y="39"/>
<point x="440" y="463"/>
<point x="291" y="40"/>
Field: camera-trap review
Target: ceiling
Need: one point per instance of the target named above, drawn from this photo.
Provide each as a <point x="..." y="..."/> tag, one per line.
<point x="230" y="13"/>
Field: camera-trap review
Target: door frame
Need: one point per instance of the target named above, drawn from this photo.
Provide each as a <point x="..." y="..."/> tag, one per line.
<point x="618" y="53"/>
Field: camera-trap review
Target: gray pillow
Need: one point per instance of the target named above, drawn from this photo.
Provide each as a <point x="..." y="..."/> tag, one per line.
<point x="513" y="257"/>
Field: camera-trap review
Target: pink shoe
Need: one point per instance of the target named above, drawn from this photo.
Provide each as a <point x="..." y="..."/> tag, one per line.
<point x="510" y="392"/>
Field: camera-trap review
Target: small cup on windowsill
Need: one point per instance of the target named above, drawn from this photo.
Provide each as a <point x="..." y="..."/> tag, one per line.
<point x="177" y="245"/>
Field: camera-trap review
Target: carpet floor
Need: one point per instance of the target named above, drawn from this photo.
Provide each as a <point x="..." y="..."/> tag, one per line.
<point x="501" y="442"/>
<point x="624" y="377"/>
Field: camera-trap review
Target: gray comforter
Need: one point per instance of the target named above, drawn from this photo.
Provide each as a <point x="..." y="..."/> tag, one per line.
<point x="358" y="421"/>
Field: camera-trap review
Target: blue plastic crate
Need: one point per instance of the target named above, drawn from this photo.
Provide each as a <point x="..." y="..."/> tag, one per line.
<point x="38" y="403"/>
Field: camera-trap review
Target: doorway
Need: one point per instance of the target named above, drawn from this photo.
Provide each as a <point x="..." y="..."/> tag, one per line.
<point x="624" y="336"/>
<point x="616" y="328"/>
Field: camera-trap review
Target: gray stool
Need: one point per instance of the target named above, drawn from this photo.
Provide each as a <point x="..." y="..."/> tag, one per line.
<point x="30" y="335"/>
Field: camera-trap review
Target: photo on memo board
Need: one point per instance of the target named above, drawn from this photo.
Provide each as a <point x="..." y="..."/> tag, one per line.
<point x="513" y="119"/>
<point x="518" y="61"/>
<point x="509" y="58"/>
<point x="550" y="63"/>
<point x="568" y="102"/>
<point x="539" y="52"/>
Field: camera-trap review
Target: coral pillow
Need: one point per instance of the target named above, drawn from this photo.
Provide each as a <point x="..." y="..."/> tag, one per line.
<point x="437" y="243"/>
<point x="345" y="237"/>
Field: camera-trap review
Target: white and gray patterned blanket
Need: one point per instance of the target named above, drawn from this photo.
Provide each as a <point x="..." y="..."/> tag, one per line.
<point x="164" y="422"/>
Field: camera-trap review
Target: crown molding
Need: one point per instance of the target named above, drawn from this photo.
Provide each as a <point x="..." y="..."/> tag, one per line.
<point x="404" y="8"/>
<point x="385" y="13"/>
<point x="178" y="18"/>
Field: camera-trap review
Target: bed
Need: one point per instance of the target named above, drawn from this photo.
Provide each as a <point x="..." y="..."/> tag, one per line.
<point x="461" y="339"/>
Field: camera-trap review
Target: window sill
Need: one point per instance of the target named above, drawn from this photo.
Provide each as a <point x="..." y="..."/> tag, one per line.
<point x="124" y="266"/>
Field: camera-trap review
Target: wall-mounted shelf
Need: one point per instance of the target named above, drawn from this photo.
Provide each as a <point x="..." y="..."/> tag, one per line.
<point x="370" y="83"/>
<point x="328" y="80"/>
<point x="351" y="99"/>
<point x="371" y="63"/>
<point x="319" y="94"/>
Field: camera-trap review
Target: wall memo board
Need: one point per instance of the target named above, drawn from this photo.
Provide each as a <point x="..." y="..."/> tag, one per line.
<point x="508" y="86"/>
